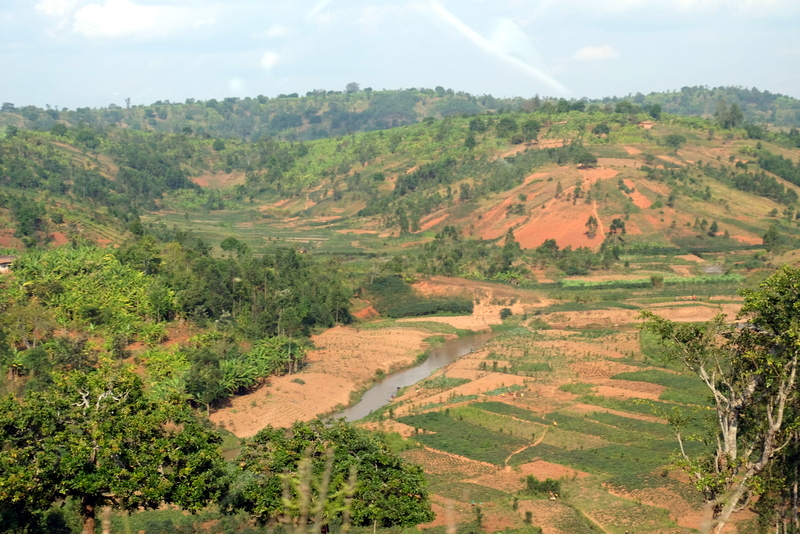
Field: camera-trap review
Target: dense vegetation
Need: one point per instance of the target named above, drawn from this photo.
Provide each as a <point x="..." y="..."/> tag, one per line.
<point x="271" y="302"/>
<point x="96" y="439"/>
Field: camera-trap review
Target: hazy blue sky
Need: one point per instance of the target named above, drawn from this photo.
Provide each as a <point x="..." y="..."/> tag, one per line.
<point x="76" y="53"/>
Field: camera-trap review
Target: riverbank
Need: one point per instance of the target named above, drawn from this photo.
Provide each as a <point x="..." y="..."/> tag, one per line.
<point x="346" y="360"/>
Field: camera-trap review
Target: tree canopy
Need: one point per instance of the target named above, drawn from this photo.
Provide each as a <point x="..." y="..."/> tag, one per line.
<point x="388" y="491"/>
<point x="96" y="438"/>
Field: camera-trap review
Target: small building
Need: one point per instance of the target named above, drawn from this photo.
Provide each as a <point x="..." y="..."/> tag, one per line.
<point x="5" y="263"/>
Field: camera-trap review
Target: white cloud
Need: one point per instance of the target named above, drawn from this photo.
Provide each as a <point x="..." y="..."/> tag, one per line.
<point x="122" y="18"/>
<point x="277" y="30"/>
<point x="318" y="8"/>
<point x="236" y="86"/>
<point x="270" y="59"/>
<point x="765" y="8"/>
<point x="498" y="47"/>
<point x="56" y="8"/>
<point x="595" y="53"/>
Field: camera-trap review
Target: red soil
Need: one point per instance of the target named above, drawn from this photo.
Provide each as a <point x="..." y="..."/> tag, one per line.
<point x="59" y="238"/>
<point x="430" y="223"/>
<point x="560" y="220"/>
<point x="638" y="198"/>
<point x="219" y="180"/>
<point x="366" y="313"/>
<point x="595" y="174"/>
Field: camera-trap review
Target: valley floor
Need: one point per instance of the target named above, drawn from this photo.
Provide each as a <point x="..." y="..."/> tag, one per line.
<point x="572" y="396"/>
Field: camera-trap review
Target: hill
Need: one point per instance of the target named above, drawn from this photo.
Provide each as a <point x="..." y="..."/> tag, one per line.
<point x="321" y="114"/>
<point x="758" y="107"/>
<point x="541" y="175"/>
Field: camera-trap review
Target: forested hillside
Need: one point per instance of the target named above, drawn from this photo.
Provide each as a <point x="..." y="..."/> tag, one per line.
<point x="757" y="107"/>
<point x="319" y="114"/>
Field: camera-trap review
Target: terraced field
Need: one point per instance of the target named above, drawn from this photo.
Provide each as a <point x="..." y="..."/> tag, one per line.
<point x="585" y="407"/>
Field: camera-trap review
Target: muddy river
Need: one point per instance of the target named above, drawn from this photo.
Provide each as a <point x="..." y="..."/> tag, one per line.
<point x="383" y="392"/>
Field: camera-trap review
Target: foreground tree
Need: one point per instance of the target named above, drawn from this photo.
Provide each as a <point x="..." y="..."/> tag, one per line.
<point x="388" y="491"/>
<point x="97" y="439"/>
<point x="750" y="368"/>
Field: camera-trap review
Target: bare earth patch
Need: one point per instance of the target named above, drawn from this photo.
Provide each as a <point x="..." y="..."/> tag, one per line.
<point x="544" y="470"/>
<point x="748" y="240"/>
<point x="346" y="358"/>
<point x="430" y="223"/>
<point x="638" y="198"/>
<point x="219" y="180"/>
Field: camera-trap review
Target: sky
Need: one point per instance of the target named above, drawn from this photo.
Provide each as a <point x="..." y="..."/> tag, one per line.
<point x="93" y="53"/>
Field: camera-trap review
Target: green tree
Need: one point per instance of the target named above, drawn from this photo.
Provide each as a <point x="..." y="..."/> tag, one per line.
<point x="231" y="244"/>
<point x="655" y="111"/>
<point x="772" y="238"/>
<point x="389" y="491"/>
<point x="591" y="226"/>
<point x="750" y="369"/>
<point x="728" y="116"/>
<point x="674" y="141"/>
<point x="97" y="438"/>
<point x="59" y="129"/>
<point x="470" y="141"/>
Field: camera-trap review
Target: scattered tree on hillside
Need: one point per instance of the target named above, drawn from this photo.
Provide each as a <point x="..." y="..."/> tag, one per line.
<point x="616" y="230"/>
<point x="750" y="369"/>
<point x="674" y="141"/>
<point x="591" y="226"/>
<point x="773" y="238"/>
<point x="728" y="115"/>
<point x="601" y="129"/>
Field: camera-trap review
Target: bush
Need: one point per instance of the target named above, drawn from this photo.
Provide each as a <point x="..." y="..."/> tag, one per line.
<point x="534" y="486"/>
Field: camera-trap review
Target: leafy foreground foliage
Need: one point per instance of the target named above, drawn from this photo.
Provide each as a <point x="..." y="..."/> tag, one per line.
<point x="388" y="491"/>
<point x="750" y="367"/>
<point x="97" y="438"/>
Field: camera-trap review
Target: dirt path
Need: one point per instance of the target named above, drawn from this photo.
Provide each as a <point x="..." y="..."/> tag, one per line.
<point x="538" y="441"/>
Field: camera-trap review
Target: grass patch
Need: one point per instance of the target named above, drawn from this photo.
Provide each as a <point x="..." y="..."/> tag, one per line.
<point x="461" y="398"/>
<point x="648" y="428"/>
<point x="696" y="418"/>
<point x="504" y="390"/>
<point x="501" y="408"/>
<point x="578" y="388"/>
<point x="443" y="382"/>
<point x="586" y="306"/>
<point x="615" y="459"/>
<point x="658" y="480"/>
<point x="682" y="388"/>
<point x="468" y="492"/>
<point x="462" y="438"/>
